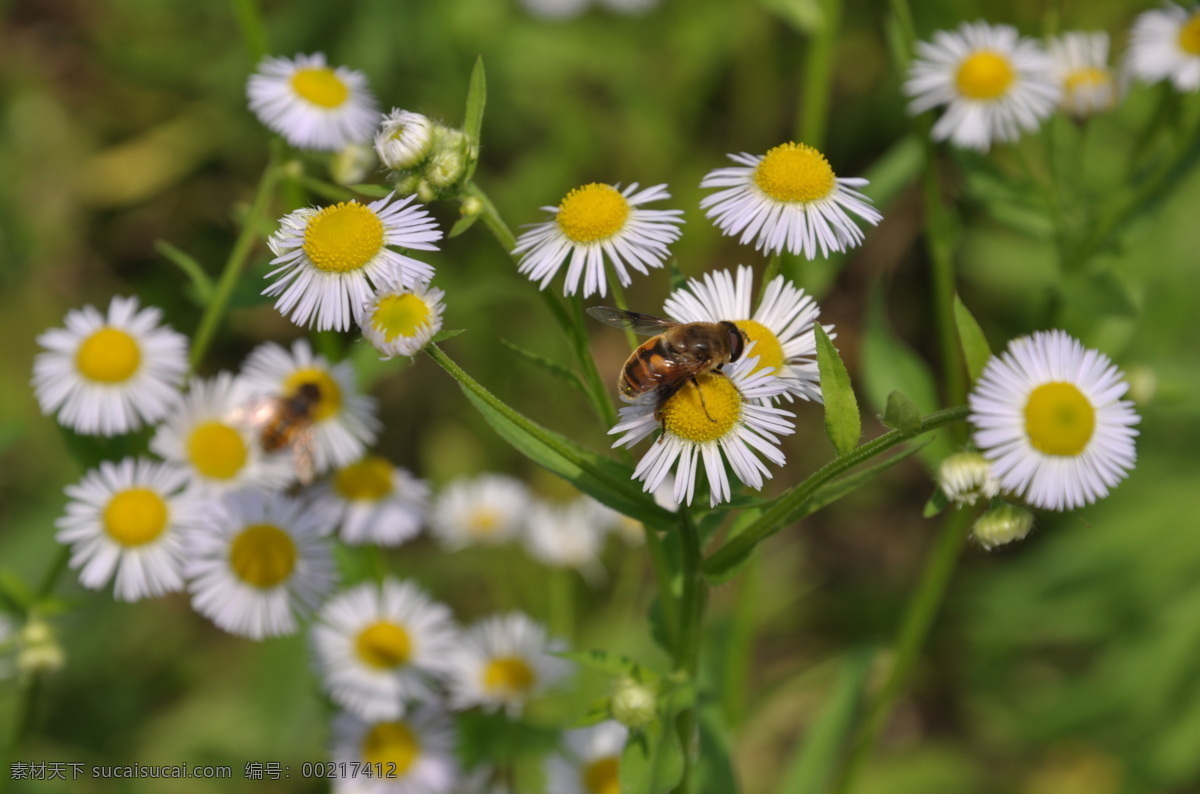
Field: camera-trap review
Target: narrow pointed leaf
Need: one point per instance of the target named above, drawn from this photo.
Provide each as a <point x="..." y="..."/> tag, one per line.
<point x="462" y="224"/>
<point x="842" y="420"/>
<point x="611" y="664"/>
<point x="902" y="415"/>
<point x="373" y="191"/>
<point x="201" y="283"/>
<point x="473" y="121"/>
<point x="974" y="344"/>
<point x="553" y="367"/>
<point x="936" y="504"/>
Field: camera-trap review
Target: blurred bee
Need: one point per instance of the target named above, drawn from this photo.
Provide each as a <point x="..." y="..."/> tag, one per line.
<point x="286" y="421"/>
<point x="675" y="356"/>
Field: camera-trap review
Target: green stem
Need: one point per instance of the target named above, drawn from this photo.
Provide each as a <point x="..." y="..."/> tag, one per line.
<point x="774" y="264"/>
<point x="619" y="297"/>
<point x="250" y="23"/>
<point x="922" y="608"/>
<point x="235" y="263"/>
<point x="818" y="77"/>
<point x="777" y="516"/>
<point x="693" y="596"/>
<point x="667" y="599"/>
<point x="938" y="236"/>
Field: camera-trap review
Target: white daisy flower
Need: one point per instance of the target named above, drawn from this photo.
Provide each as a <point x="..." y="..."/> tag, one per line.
<point x="993" y="83"/>
<point x="107" y="376"/>
<point x="788" y="199"/>
<point x="381" y="646"/>
<point x="1165" y="45"/>
<point x="399" y="322"/>
<point x="592" y="762"/>
<point x="1088" y="85"/>
<point x="503" y="662"/>
<point x="1047" y="414"/>
<point x="374" y="501"/>
<point x="312" y="105"/>
<point x="403" y="140"/>
<point x="728" y="424"/>
<point x="258" y="563"/>
<point x="964" y="477"/>
<point x="597" y="223"/>
<point x="220" y="453"/>
<point x="343" y="421"/>
<point x="567" y="536"/>
<point x="125" y="523"/>
<point x="782" y="328"/>
<point x="490" y="509"/>
<point x="330" y="259"/>
<point x="413" y="755"/>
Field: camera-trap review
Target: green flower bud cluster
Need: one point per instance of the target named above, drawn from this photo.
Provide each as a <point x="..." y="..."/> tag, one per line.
<point x="424" y="157"/>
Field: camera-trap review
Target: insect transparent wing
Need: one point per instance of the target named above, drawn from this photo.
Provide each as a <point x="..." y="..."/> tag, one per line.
<point x="643" y="324"/>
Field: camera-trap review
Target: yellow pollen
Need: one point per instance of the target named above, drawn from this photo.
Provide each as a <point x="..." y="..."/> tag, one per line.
<point x="400" y="315"/>
<point x="369" y="480"/>
<point x="795" y="172"/>
<point x="391" y="743"/>
<point x="108" y="356"/>
<point x="508" y="675"/>
<point x="592" y="212"/>
<point x="262" y="555"/>
<point x="1189" y="35"/>
<point x="684" y="415"/>
<point x="602" y="776"/>
<point x="766" y="348"/>
<point x="1088" y="77"/>
<point x="216" y="450"/>
<point x="343" y="237"/>
<point x="330" y="401"/>
<point x="135" y="516"/>
<point x="320" y="86"/>
<point x="1059" y="419"/>
<point x="984" y="75"/>
<point x="483" y="522"/>
<point x="384" y="645"/>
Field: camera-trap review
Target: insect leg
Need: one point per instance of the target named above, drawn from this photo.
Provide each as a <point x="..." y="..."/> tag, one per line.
<point x="703" y="404"/>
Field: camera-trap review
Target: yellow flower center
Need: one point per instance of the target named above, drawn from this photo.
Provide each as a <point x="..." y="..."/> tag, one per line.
<point x="686" y="417"/>
<point x="262" y="555"/>
<point x="602" y="776"/>
<point x="135" y="516"/>
<point x="400" y="315"/>
<point x="391" y="743"/>
<point x="216" y="450"/>
<point x="1189" y="35"/>
<point x="1059" y="419"/>
<point x="320" y="86"/>
<point x="1086" y="78"/>
<point x="109" y="356"/>
<point x="984" y="75"/>
<point x="343" y="237"/>
<point x="508" y="675"/>
<point x="483" y="522"/>
<point x="592" y="212"/>
<point x="384" y="645"/>
<point x="766" y="348"/>
<point x="795" y="172"/>
<point x="369" y="480"/>
<point x="330" y="401"/>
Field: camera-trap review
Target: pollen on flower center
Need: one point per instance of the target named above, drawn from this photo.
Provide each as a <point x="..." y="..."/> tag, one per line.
<point x="369" y="480"/>
<point x="508" y="675"/>
<point x="795" y="172"/>
<point x="592" y="212"/>
<point x="685" y="416"/>
<point x="384" y="645"/>
<point x="766" y="345"/>
<point x="391" y="743"/>
<point x="1189" y="35"/>
<point x="343" y="237"/>
<point x="984" y="75"/>
<point x="320" y="86"/>
<point x="400" y="315"/>
<point x="602" y="776"/>
<point x="135" y="516"/>
<point x="262" y="555"/>
<point x="108" y="356"/>
<point x="216" y="450"/>
<point x="1059" y="419"/>
<point x="330" y="401"/>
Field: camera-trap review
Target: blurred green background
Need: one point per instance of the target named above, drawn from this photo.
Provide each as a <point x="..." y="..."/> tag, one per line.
<point x="1067" y="664"/>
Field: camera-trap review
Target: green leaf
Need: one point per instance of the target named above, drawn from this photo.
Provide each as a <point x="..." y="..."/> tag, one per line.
<point x="473" y="121"/>
<point x="714" y="772"/>
<point x="902" y="415"/>
<point x="201" y="283"/>
<point x="970" y="336"/>
<point x="842" y="486"/>
<point x="462" y="224"/>
<point x="936" y="504"/>
<point x="652" y="762"/>
<point x="611" y="664"/>
<point x="842" y="420"/>
<point x="553" y="367"/>
<point x="822" y="744"/>
<point x="448" y="333"/>
<point x="372" y="191"/>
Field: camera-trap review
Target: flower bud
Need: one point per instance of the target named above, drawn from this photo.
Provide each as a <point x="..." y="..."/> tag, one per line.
<point x="38" y="648"/>
<point x="966" y="476"/>
<point x="470" y="207"/>
<point x="1001" y="525"/>
<point x="404" y="140"/>
<point x="426" y="192"/>
<point x="352" y="164"/>
<point x="446" y="167"/>
<point x="405" y="184"/>
<point x="634" y="705"/>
